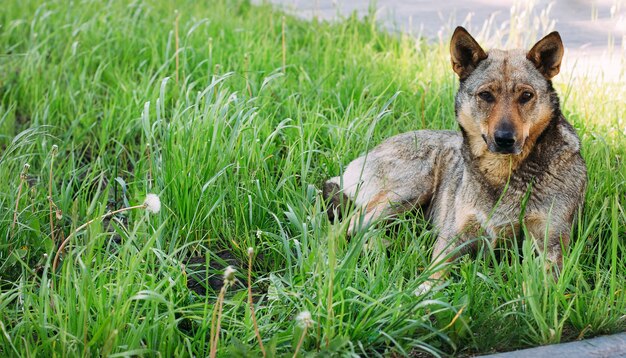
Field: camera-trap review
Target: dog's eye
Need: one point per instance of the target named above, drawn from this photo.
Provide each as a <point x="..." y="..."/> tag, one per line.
<point x="486" y="96"/>
<point x="525" y="97"/>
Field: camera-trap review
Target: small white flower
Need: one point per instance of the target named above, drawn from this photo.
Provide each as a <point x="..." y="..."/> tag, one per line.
<point x="304" y="319"/>
<point x="152" y="203"/>
<point x="258" y="233"/>
<point x="250" y="251"/>
<point x="229" y="275"/>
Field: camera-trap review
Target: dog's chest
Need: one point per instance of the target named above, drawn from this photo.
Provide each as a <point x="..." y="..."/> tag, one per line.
<point x="494" y="215"/>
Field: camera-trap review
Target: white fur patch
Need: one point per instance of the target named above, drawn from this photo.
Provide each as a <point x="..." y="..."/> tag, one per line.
<point x="358" y="182"/>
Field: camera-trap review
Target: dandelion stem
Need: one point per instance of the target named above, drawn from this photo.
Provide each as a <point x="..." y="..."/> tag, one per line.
<point x="213" y="320"/>
<point x="218" y="312"/>
<point x="300" y="341"/>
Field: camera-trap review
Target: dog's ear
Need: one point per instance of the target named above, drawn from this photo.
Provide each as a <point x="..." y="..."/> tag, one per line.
<point x="546" y="55"/>
<point x="465" y="53"/>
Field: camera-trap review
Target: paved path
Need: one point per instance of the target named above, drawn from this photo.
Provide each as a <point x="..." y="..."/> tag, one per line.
<point x="594" y="31"/>
<point x="599" y="347"/>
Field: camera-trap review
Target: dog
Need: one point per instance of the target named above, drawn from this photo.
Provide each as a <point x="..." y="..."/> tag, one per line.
<point x="515" y="163"/>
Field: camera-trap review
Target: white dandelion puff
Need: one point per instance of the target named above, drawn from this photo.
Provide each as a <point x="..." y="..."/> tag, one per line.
<point x="250" y="251"/>
<point x="304" y="319"/>
<point x="229" y="275"/>
<point x="152" y="203"/>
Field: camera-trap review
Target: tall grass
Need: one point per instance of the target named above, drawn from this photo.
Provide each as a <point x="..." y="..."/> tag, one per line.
<point x="236" y="148"/>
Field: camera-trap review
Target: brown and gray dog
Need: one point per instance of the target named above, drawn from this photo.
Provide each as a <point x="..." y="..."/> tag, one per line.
<point x="515" y="148"/>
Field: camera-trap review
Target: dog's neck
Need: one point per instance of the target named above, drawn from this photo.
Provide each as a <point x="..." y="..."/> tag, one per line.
<point x="496" y="169"/>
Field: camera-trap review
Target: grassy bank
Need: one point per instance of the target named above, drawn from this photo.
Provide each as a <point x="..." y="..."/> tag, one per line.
<point x="234" y="114"/>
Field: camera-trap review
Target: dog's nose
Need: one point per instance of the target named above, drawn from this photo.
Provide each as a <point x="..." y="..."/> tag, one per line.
<point x="504" y="139"/>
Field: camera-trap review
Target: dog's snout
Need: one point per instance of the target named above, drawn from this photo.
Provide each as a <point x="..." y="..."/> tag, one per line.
<point x="504" y="138"/>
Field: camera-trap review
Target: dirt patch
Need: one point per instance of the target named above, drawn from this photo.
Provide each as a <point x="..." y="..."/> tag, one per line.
<point x="202" y="277"/>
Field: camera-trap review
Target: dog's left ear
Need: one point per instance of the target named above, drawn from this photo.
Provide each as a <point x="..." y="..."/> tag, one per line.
<point x="546" y="55"/>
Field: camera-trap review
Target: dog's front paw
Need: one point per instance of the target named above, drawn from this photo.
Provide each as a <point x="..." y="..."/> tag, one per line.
<point x="351" y="230"/>
<point x="423" y="289"/>
<point x="355" y="225"/>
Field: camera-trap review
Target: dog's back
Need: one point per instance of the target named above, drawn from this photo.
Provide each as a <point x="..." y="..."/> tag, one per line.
<point x="402" y="171"/>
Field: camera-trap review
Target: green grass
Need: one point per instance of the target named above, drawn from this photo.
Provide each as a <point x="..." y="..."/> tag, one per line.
<point x="236" y="149"/>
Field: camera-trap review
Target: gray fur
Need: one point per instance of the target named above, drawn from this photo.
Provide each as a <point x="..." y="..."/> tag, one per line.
<point x="468" y="188"/>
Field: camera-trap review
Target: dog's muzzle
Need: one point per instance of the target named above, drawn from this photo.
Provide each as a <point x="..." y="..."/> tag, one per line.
<point x="505" y="141"/>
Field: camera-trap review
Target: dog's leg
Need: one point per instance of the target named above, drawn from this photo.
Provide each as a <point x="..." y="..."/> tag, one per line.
<point x="554" y="252"/>
<point x="549" y="239"/>
<point x="443" y="252"/>
<point x="386" y="204"/>
<point x="448" y="247"/>
<point x="380" y="206"/>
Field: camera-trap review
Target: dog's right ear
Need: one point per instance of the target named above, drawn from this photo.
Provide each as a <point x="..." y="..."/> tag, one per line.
<point x="465" y="53"/>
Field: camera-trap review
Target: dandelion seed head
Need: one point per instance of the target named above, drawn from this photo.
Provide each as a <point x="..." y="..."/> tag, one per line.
<point x="304" y="319"/>
<point x="250" y="251"/>
<point x="152" y="203"/>
<point x="229" y="275"/>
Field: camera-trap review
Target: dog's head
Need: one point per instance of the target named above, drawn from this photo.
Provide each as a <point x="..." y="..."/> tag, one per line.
<point x="505" y="97"/>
